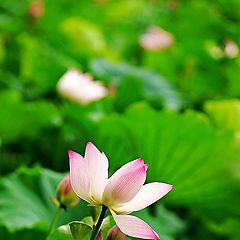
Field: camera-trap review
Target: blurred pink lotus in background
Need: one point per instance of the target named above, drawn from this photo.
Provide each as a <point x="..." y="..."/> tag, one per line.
<point x="156" y="39"/>
<point x="79" y="87"/>
<point x="231" y="49"/>
<point x="122" y="193"/>
<point x="36" y="9"/>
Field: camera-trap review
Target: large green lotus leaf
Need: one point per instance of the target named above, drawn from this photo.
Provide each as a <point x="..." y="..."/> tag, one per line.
<point x="181" y="149"/>
<point x="24" y="200"/>
<point x="37" y="231"/>
<point x="224" y="113"/>
<point x="16" y="116"/>
<point x="134" y="84"/>
<point x="23" y="123"/>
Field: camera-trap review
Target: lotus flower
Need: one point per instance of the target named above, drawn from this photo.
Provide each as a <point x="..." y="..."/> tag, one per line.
<point x="122" y="193"/>
<point x="79" y="87"/>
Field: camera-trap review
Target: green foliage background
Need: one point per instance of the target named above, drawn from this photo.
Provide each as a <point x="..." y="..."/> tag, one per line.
<point x="177" y="108"/>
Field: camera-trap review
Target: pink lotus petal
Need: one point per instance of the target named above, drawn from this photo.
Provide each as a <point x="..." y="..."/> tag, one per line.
<point x="147" y="195"/>
<point x="125" y="183"/>
<point x="79" y="176"/>
<point x="97" y="167"/>
<point x="135" y="227"/>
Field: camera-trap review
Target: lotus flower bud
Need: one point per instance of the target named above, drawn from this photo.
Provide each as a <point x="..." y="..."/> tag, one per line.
<point x="99" y="236"/>
<point x="65" y="194"/>
<point x="80" y="87"/>
<point x="115" y="234"/>
<point x="156" y="39"/>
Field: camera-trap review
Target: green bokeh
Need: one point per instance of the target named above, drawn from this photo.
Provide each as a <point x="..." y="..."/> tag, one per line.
<point x="177" y="107"/>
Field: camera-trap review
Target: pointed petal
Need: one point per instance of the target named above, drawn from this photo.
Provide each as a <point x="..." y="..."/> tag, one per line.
<point x="147" y="195"/>
<point x="125" y="183"/>
<point x="135" y="227"/>
<point x="79" y="176"/>
<point x="97" y="167"/>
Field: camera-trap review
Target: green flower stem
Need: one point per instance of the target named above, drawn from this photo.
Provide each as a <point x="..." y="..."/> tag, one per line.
<point x="55" y="216"/>
<point x="99" y="223"/>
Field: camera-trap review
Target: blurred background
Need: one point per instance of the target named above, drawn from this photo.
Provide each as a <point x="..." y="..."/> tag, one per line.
<point x="153" y="79"/>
